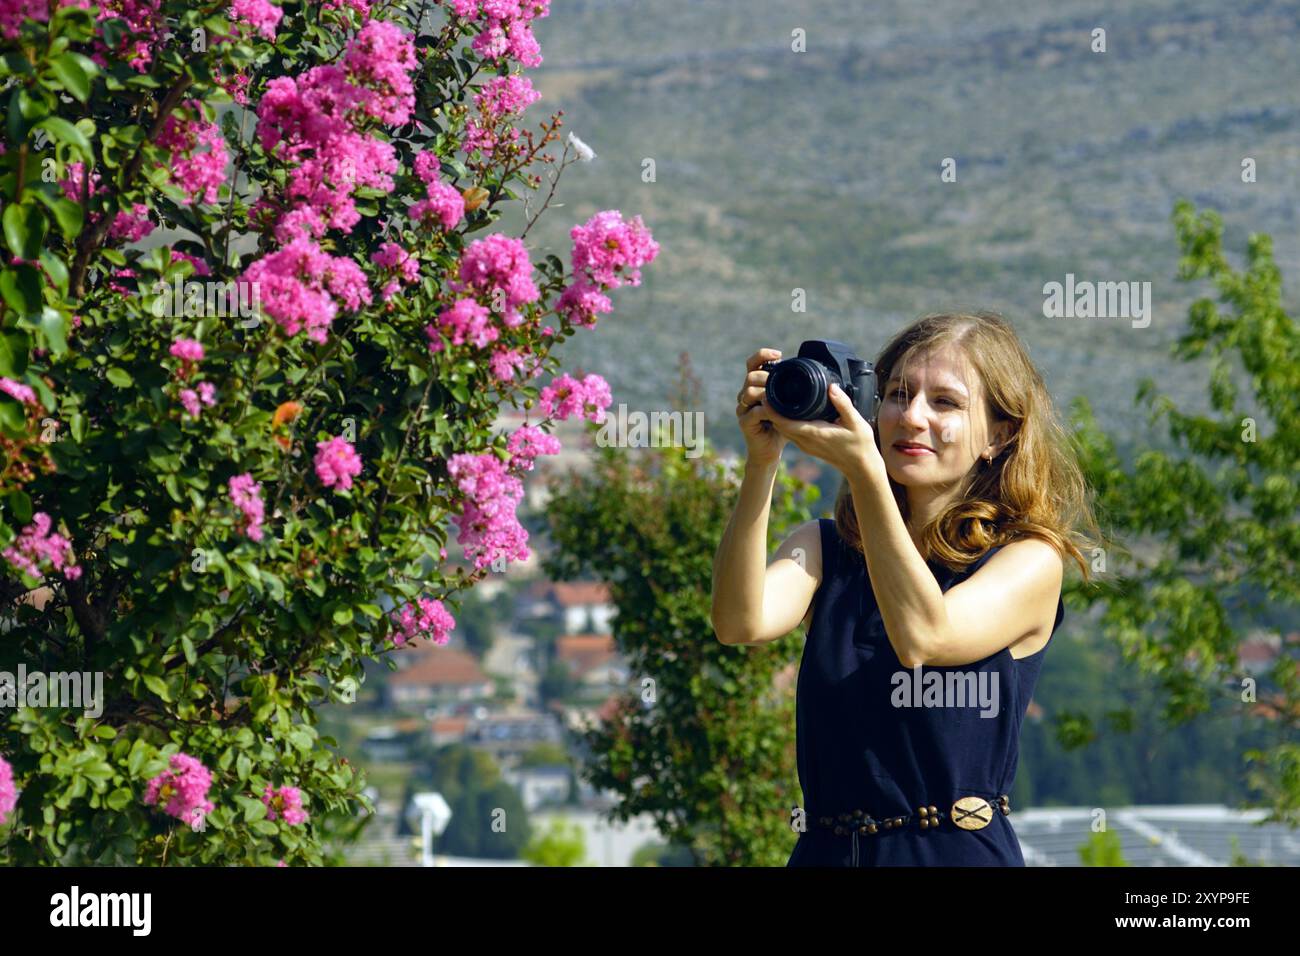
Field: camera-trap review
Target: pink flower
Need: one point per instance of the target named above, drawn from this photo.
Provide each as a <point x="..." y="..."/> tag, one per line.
<point x="382" y="57"/>
<point x="298" y="285"/>
<point x="259" y="14"/>
<point x="488" y="524"/>
<point x="507" y="30"/>
<point x="188" y="349"/>
<point x="392" y="256"/>
<point x="610" y="251"/>
<point x="498" y="262"/>
<point x="285" y="802"/>
<point x="336" y="463"/>
<point x="197" y="173"/>
<point x="8" y="793"/>
<point x="311" y="124"/>
<point x="36" y="545"/>
<point x="190" y="399"/>
<point x="504" y="362"/>
<point x="361" y="6"/>
<point x="527" y="442"/>
<point x="581" y="303"/>
<point x="427" y="618"/>
<point x="467" y="321"/>
<point x="24" y="393"/>
<point x="445" y="203"/>
<point x="184" y="788"/>
<point x="567" y="396"/>
<point x="207" y="393"/>
<point x="246" y="495"/>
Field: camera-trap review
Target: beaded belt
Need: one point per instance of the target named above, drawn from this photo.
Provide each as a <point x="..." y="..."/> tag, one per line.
<point x="968" y="813"/>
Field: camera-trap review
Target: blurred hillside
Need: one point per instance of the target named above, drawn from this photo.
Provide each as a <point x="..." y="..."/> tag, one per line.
<point x="778" y="170"/>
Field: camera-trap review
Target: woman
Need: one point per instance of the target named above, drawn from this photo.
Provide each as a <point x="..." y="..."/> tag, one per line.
<point x="929" y="600"/>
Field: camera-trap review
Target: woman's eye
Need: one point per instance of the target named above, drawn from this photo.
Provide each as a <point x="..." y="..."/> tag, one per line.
<point x="896" y="393"/>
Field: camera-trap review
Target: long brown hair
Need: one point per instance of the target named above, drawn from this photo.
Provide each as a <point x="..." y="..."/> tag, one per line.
<point x="1034" y="487"/>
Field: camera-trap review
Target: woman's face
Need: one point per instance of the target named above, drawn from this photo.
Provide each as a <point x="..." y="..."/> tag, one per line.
<point x="934" y="407"/>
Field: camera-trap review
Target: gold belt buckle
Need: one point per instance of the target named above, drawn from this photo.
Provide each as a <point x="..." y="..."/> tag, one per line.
<point x="972" y="813"/>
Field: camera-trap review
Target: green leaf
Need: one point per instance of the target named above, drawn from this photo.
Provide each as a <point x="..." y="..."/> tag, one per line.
<point x="24" y="230"/>
<point x="119" y="798"/>
<point x="55" y="266"/>
<point x="20" y="503"/>
<point x="21" y="288"/>
<point x="135" y="760"/>
<point x="72" y="76"/>
<point x="343" y="615"/>
<point x="70" y="217"/>
<point x="13" y="353"/>
<point x="120" y="377"/>
<point x="158" y="686"/>
<point x="13" y="417"/>
<point x="66" y="132"/>
<point x="54" y="327"/>
<point x="188" y="647"/>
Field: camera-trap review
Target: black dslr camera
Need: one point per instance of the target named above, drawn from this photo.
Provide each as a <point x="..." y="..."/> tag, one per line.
<point x="798" y="387"/>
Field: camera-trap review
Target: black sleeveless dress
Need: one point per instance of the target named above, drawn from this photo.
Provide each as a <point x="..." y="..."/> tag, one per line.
<point x="868" y="755"/>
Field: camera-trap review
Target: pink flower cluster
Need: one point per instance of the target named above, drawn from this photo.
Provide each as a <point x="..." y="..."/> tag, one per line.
<point x="392" y="256"/>
<point x="285" y="802"/>
<point x="184" y="788"/>
<point x="443" y="201"/>
<point x="607" y="253"/>
<point x="336" y="463"/>
<point x="191" y="399"/>
<point x="261" y="15"/>
<point x="190" y="352"/>
<point x="246" y="495"/>
<point x="312" y="124"/>
<point x="507" y="27"/>
<point x="35" y="545"/>
<point x="297" y="286"/>
<point x="567" y="396"/>
<point x="488" y="524"/>
<point x="426" y="618"/>
<point x="129" y="226"/>
<point x="529" y="441"/>
<point x="361" y="6"/>
<point x="498" y="266"/>
<point x="8" y="793"/>
<point x="197" y="173"/>
<point x="24" y="393"/>
<point x="500" y="98"/>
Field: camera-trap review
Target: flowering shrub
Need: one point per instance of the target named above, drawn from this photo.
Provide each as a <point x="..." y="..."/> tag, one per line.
<point x="228" y="510"/>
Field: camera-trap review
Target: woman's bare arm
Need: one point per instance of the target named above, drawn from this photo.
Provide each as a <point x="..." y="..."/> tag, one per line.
<point x="753" y="602"/>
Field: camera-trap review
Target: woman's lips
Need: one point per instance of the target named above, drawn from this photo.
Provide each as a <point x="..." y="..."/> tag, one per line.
<point x="913" y="450"/>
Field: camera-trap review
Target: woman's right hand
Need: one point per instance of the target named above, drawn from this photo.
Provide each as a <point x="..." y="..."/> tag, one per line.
<point x="762" y="441"/>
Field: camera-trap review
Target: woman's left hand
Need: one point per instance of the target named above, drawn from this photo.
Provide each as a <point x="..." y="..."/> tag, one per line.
<point x="848" y="444"/>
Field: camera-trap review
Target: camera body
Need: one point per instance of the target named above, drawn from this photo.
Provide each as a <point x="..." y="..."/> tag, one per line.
<point x="798" y="387"/>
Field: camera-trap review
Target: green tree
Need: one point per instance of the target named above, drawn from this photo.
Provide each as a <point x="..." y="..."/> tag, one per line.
<point x="708" y="748"/>
<point x="1102" y="848"/>
<point x="146" y="438"/>
<point x="488" y="818"/>
<point x="561" y="845"/>
<point x="1196" y="554"/>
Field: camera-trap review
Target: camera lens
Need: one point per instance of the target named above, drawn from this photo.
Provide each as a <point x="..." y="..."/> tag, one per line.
<point x="798" y="388"/>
